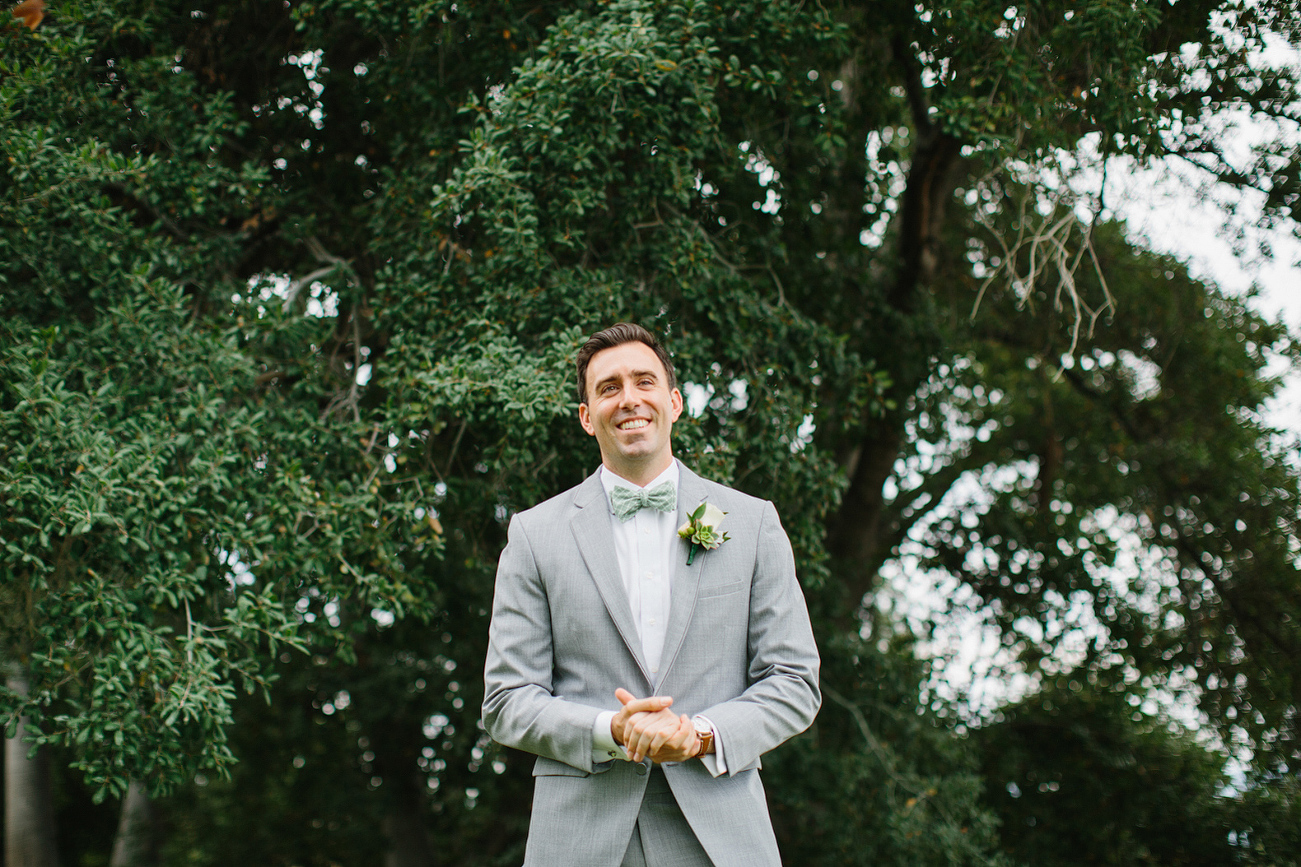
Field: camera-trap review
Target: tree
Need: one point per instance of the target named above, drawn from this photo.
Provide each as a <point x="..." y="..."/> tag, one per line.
<point x="29" y="823"/>
<point x="1075" y="780"/>
<point x="290" y="292"/>
<point x="150" y="463"/>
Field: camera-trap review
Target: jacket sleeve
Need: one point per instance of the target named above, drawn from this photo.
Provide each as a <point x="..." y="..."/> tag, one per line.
<point x="519" y="707"/>
<point x="783" y="696"/>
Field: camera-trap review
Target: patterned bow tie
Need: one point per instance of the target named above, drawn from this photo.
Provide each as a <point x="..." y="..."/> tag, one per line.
<point x="627" y="502"/>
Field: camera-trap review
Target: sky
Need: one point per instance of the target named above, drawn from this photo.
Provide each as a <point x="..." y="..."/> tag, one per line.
<point x="1174" y="208"/>
<point x="1169" y="209"/>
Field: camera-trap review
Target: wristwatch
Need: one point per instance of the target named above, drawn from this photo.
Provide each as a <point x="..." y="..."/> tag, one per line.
<point x="705" y="732"/>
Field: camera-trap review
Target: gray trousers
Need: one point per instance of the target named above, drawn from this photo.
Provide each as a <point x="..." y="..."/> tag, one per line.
<point x="662" y="837"/>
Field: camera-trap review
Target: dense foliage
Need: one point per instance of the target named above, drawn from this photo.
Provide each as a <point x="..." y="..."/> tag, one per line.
<point x="289" y="294"/>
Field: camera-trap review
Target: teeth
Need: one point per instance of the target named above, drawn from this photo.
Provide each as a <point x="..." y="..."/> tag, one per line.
<point x="634" y="424"/>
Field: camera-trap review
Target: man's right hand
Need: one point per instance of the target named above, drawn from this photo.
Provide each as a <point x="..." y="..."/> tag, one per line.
<point x="643" y="725"/>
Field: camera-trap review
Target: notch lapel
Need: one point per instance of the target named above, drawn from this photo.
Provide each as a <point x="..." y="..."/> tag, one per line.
<point x="686" y="579"/>
<point x="594" y="535"/>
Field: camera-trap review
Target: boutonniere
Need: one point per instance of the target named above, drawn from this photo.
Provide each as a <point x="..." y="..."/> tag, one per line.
<point x="701" y="529"/>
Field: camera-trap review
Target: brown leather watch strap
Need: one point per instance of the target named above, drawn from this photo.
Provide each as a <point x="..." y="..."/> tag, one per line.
<point x="706" y="736"/>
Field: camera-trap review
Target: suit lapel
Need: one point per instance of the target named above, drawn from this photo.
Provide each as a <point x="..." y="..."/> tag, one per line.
<point x="686" y="579"/>
<point x="593" y="533"/>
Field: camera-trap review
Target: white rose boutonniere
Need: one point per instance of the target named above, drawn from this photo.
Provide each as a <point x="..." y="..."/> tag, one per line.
<point x="701" y="529"/>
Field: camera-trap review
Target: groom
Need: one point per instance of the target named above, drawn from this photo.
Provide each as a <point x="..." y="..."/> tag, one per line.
<point x="646" y="671"/>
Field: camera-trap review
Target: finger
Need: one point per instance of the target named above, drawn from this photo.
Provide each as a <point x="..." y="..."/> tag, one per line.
<point x="631" y="707"/>
<point x="674" y="738"/>
<point x="692" y="746"/>
<point x="662" y="737"/>
<point x="619" y="726"/>
<point x="631" y="736"/>
<point x="637" y="744"/>
<point x="643" y="726"/>
<point x="690" y="741"/>
<point x="644" y="735"/>
<point x="663" y="717"/>
<point x="685" y="734"/>
<point x="652" y="704"/>
<point x="678" y="747"/>
<point x="625" y="697"/>
<point x="670" y="732"/>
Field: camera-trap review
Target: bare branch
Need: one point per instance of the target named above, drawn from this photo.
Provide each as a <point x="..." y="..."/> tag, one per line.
<point x="1048" y="246"/>
<point x="332" y="264"/>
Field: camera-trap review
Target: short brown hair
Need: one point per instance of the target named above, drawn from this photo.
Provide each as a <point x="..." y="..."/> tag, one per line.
<point x="617" y="335"/>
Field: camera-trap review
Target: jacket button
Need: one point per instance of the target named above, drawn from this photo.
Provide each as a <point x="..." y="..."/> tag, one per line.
<point x="641" y="770"/>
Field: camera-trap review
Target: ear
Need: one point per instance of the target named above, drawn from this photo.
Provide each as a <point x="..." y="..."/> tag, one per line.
<point x="675" y="403"/>
<point x="585" y="419"/>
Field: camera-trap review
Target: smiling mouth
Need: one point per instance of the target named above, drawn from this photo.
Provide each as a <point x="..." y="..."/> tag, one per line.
<point x="633" y="424"/>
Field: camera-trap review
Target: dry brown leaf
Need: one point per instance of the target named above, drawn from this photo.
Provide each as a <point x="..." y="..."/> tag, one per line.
<point x="30" y="12"/>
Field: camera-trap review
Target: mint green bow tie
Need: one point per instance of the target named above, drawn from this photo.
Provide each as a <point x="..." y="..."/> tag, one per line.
<point x="627" y="502"/>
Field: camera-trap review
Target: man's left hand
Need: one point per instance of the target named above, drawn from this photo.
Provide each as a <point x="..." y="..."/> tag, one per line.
<point x="683" y="744"/>
<point x="649" y="729"/>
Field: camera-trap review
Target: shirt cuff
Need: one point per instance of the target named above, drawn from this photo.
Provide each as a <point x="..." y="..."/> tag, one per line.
<point x="604" y="748"/>
<point x="714" y="762"/>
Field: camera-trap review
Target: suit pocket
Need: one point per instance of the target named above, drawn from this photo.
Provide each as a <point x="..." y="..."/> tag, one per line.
<point x="715" y="590"/>
<point x="545" y="767"/>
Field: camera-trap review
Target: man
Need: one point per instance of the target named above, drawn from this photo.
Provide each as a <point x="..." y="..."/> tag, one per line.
<point x="647" y="672"/>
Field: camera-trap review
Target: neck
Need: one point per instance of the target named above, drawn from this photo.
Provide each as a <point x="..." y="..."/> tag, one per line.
<point x="640" y="476"/>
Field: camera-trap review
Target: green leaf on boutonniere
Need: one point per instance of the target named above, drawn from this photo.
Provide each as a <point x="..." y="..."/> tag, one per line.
<point x="701" y="529"/>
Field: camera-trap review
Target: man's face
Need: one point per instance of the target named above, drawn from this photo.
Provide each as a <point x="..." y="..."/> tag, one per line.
<point x="630" y="409"/>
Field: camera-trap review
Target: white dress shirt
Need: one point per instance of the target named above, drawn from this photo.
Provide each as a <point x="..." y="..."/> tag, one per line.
<point x="644" y="548"/>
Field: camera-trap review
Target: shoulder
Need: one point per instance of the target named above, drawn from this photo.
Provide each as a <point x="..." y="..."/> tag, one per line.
<point x="562" y="505"/>
<point x="726" y="498"/>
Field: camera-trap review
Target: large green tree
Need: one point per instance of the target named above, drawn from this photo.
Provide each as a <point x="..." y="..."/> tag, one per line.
<point x="288" y="297"/>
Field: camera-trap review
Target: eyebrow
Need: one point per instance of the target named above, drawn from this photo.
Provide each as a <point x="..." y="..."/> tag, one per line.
<point x="636" y="374"/>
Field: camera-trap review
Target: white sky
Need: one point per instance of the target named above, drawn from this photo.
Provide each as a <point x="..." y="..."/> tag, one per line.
<point x="1168" y="209"/>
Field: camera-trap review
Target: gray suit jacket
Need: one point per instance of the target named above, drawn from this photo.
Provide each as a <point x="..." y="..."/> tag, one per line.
<point x="739" y="649"/>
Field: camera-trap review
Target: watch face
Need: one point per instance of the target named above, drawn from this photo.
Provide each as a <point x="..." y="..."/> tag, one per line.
<point x="702" y="729"/>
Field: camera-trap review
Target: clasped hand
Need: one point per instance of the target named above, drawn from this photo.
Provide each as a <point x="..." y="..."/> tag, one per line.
<point x="645" y="727"/>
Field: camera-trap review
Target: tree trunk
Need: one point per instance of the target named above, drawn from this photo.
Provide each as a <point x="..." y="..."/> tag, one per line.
<point x="408" y="839"/>
<point x="397" y="744"/>
<point x="134" y="844"/>
<point x="29" y="815"/>
<point x="859" y="534"/>
<point x="856" y="533"/>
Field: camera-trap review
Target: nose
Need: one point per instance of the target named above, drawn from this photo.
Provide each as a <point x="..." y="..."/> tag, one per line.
<point x="627" y="396"/>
